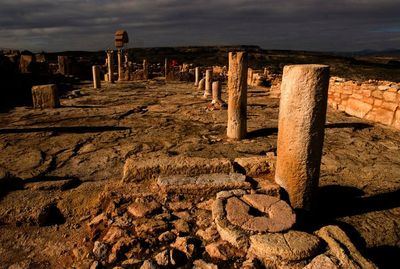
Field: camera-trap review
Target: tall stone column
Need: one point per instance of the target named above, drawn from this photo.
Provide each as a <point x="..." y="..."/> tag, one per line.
<point x="208" y="86"/>
<point x="302" y="114"/>
<point x="145" y="70"/>
<point x="166" y="68"/>
<point x="196" y="76"/>
<point x="110" y="65"/>
<point x="120" y="73"/>
<point x="96" y="77"/>
<point x="237" y="95"/>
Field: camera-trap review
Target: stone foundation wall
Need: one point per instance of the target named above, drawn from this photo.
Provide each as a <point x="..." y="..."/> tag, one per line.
<point x="377" y="101"/>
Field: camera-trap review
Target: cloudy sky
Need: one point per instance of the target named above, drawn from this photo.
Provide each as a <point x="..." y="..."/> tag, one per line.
<point x="323" y="25"/>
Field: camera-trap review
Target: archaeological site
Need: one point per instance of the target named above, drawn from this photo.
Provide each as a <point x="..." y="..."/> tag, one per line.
<point x="115" y="153"/>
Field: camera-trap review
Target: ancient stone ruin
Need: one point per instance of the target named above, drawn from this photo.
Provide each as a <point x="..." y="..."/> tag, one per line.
<point x="202" y="166"/>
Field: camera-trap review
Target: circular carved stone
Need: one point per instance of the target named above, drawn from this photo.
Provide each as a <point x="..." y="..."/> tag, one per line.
<point x="290" y="246"/>
<point x="260" y="213"/>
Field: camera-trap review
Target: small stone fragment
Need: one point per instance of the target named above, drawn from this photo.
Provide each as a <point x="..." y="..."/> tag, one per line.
<point x="321" y="262"/>
<point x="188" y="245"/>
<point x="220" y="250"/>
<point x="100" y="250"/>
<point x="148" y="264"/>
<point x="113" y="234"/>
<point x="143" y="207"/>
<point x="201" y="264"/>
<point x="182" y="226"/>
<point x="167" y="237"/>
<point x="162" y="258"/>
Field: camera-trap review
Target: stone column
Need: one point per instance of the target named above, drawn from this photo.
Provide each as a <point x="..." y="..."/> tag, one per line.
<point x="166" y="68"/>
<point x="202" y="84"/>
<point x="96" y="77"/>
<point x="126" y="59"/>
<point x="208" y="86"/>
<point x="145" y="70"/>
<point x="110" y="61"/>
<point x="302" y="114"/>
<point x="63" y="65"/>
<point x="196" y="76"/>
<point x="216" y="92"/>
<point x="237" y="92"/>
<point x="45" y="96"/>
<point x="120" y="73"/>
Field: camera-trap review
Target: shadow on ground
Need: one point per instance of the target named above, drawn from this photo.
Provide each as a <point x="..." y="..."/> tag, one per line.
<point x="70" y="129"/>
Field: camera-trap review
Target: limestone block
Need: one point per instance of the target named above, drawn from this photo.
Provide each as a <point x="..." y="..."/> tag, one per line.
<point x="205" y="183"/>
<point x="253" y="166"/>
<point x="26" y="63"/>
<point x="396" y="121"/>
<point x="377" y="94"/>
<point x="384" y="116"/>
<point x="343" y="249"/>
<point x="137" y="169"/>
<point x="357" y="108"/>
<point x="390" y="96"/>
<point x="45" y="96"/>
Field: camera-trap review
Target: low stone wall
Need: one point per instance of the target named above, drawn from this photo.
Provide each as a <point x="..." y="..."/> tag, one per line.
<point x="377" y="101"/>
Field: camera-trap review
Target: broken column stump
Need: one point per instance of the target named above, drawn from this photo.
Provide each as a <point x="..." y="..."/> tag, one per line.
<point x="208" y="84"/>
<point x="96" y="77"/>
<point x="302" y="114"/>
<point x="196" y="76"/>
<point x="145" y="69"/>
<point x="202" y="84"/>
<point x="45" y="96"/>
<point x="237" y="92"/>
<point x="216" y="92"/>
<point x="63" y="65"/>
<point x="110" y="65"/>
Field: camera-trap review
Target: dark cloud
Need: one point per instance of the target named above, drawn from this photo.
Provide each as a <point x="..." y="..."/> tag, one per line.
<point x="335" y="25"/>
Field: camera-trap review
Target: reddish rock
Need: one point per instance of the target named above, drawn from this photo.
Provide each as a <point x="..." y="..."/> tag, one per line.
<point x="143" y="207"/>
<point x="237" y="211"/>
<point x="113" y="234"/>
<point x="220" y="250"/>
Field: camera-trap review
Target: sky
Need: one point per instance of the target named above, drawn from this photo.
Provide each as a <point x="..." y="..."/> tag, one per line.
<point x="315" y="25"/>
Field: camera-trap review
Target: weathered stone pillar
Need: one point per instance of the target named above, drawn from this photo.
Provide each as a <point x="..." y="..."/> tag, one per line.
<point x="96" y="77"/>
<point x="120" y="73"/>
<point x="216" y="92"/>
<point x="110" y="65"/>
<point x="126" y="58"/>
<point x="63" y="65"/>
<point x="302" y="114"/>
<point x="45" y="96"/>
<point x="237" y="92"/>
<point x="145" y="70"/>
<point x="202" y="84"/>
<point x="208" y="86"/>
<point x="196" y="76"/>
<point x="166" y="68"/>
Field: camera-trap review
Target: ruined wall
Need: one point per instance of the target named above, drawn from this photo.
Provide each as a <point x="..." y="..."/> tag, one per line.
<point x="377" y="101"/>
<point x="373" y="100"/>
